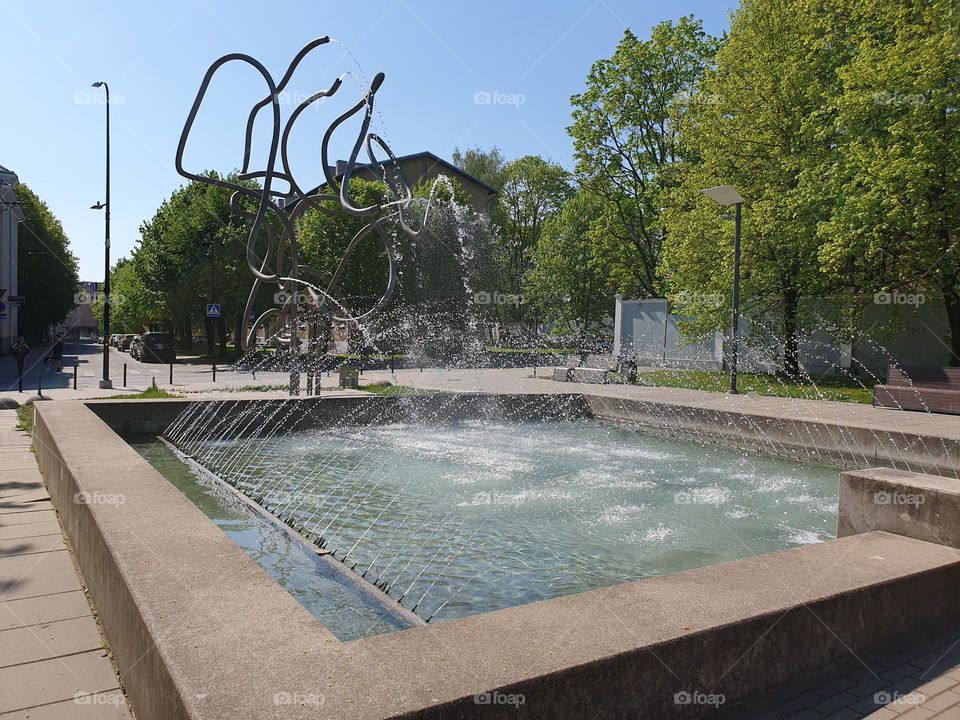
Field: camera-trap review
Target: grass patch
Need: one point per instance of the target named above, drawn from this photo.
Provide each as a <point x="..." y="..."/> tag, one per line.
<point x="151" y="393"/>
<point x="826" y="388"/>
<point x="386" y="388"/>
<point x="530" y="351"/>
<point x="246" y="388"/>
<point x="25" y="418"/>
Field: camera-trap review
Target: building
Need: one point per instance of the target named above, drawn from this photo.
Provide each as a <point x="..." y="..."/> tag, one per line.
<point x="80" y="322"/>
<point x="10" y="217"/>
<point x="422" y="167"/>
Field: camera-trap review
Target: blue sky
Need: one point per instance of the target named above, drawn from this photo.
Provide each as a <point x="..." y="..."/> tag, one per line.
<point x="526" y="56"/>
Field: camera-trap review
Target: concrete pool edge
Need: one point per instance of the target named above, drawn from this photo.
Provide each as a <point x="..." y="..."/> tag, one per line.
<point x="190" y="647"/>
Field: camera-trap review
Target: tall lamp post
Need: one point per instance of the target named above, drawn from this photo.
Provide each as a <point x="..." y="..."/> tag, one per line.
<point x="727" y="195"/>
<point x="106" y="382"/>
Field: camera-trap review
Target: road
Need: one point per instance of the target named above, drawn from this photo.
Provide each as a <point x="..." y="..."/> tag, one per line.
<point x="88" y="360"/>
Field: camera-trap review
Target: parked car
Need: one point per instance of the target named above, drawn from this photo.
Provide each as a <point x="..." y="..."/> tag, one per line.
<point x="156" y="347"/>
<point x="135" y="347"/>
<point x="124" y="342"/>
<point x="115" y="340"/>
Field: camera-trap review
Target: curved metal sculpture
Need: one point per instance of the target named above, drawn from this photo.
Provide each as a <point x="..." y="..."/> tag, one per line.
<point x="287" y="207"/>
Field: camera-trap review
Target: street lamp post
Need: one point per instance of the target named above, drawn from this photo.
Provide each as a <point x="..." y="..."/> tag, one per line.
<point x="105" y="206"/>
<point x="727" y="195"/>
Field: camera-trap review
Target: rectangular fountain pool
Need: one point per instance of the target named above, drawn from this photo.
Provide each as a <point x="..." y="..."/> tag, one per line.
<point x="460" y="517"/>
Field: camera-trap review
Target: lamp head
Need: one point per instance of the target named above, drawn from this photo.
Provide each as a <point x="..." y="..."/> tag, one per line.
<point x="98" y="83"/>
<point x="725" y="195"/>
<point x="98" y="206"/>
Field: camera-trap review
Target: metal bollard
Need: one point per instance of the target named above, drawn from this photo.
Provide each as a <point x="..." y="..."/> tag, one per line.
<point x="124" y="374"/>
<point x="215" y="373"/>
<point x="74" y="377"/>
<point x="171" y="373"/>
<point x="40" y="384"/>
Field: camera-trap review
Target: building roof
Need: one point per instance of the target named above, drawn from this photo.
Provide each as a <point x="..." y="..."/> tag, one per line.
<point x="426" y="155"/>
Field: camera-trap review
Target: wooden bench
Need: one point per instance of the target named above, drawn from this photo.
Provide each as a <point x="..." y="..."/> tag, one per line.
<point x="916" y="387"/>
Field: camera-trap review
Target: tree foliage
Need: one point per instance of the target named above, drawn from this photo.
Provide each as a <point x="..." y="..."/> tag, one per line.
<point x="568" y="283"/>
<point x="626" y="139"/>
<point x="47" y="272"/>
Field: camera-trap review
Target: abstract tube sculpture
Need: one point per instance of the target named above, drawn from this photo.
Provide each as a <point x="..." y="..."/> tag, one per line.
<point x="279" y="264"/>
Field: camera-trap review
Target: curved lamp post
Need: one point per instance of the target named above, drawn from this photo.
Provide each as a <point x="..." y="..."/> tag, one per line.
<point x="105" y="382"/>
<point x="727" y="195"/>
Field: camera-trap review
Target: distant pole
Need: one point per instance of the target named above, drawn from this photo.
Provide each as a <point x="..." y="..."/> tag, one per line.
<point x="75" y="377"/>
<point x="106" y="382"/>
<point x="734" y="340"/>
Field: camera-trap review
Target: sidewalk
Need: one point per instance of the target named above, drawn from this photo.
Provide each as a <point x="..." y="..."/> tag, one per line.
<point x="52" y="661"/>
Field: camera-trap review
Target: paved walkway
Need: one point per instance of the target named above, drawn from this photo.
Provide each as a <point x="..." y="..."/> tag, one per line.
<point x="919" y="679"/>
<point x="52" y="661"/>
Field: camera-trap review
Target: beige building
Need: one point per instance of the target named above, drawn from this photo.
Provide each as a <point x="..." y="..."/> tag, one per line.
<point x="10" y="217"/>
<point x="423" y="167"/>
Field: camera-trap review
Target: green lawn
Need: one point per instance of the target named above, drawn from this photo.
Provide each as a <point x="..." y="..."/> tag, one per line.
<point x="386" y="388"/>
<point x="827" y="388"/>
<point x="151" y="393"/>
<point x="25" y="418"/>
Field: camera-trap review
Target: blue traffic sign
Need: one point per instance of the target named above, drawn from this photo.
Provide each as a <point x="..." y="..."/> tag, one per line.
<point x="213" y="310"/>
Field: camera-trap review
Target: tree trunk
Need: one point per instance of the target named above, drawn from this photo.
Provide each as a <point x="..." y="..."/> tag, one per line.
<point x="186" y="335"/>
<point x="239" y="329"/>
<point x="791" y="349"/>
<point x="211" y="334"/>
<point x="951" y="302"/>
<point x="222" y="333"/>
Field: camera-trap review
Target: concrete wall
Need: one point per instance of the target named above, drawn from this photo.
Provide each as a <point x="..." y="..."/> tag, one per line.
<point x="925" y="507"/>
<point x="9" y="223"/>
<point x="199" y="631"/>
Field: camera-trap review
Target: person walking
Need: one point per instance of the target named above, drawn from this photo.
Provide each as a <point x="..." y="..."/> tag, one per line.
<point x="20" y="351"/>
<point x="57" y="354"/>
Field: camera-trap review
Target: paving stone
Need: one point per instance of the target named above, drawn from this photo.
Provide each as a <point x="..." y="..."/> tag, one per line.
<point x="31" y="575"/>
<point x="46" y="526"/>
<point x="917" y="713"/>
<point x="34" y="544"/>
<point x="53" y="680"/>
<point x="937" y="686"/>
<point x="46" y="608"/>
<point x="836" y="702"/>
<point x="110" y="705"/>
<point x="48" y="640"/>
<point x="28" y="517"/>
<point x="882" y="714"/>
<point x="941" y="702"/>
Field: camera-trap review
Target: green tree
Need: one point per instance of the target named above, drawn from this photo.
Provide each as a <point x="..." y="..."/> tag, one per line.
<point x="894" y="182"/>
<point x="568" y="283"/>
<point x="46" y="268"/>
<point x="761" y="121"/>
<point x="533" y="191"/>
<point x="625" y="134"/>
<point x="485" y="165"/>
